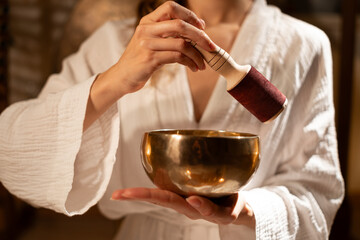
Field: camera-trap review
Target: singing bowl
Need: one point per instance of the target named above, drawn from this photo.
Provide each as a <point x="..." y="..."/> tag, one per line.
<point x="200" y="162"/>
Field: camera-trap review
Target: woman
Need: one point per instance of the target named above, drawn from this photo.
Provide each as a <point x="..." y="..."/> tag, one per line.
<point x="77" y="144"/>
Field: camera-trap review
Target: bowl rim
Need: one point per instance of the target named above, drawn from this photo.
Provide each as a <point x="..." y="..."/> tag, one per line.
<point x="241" y="135"/>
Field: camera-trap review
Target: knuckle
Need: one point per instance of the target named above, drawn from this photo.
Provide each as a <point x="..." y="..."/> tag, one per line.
<point x="203" y="35"/>
<point x="140" y="29"/>
<point x="182" y="44"/>
<point x="178" y="56"/>
<point x="208" y="212"/>
<point x="190" y="16"/>
<point x="179" y="24"/>
<point x="143" y="43"/>
<point x="171" y="6"/>
<point x="143" y="20"/>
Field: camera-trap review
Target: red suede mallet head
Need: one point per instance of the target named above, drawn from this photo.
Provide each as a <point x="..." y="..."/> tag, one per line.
<point x="248" y="86"/>
<point x="259" y="96"/>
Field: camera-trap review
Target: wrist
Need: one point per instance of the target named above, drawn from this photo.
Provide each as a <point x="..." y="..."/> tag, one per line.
<point x="109" y="84"/>
<point x="104" y="92"/>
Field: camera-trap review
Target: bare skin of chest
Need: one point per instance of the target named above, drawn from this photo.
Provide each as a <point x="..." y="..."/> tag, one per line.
<point x="202" y="83"/>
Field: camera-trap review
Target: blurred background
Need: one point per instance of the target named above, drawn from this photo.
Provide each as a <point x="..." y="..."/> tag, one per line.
<point x="36" y="35"/>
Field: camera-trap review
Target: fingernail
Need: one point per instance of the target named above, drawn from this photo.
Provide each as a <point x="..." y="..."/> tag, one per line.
<point x="203" y="23"/>
<point x="115" y="196"/>
<point x="194" y="69"/>
<point x="196" y="203"/>
<point x="120" y="195"/>
<point x="126" y="195"/>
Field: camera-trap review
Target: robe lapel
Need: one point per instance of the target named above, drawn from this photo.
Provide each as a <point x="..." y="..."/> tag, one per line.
<point x="253" y="45"/>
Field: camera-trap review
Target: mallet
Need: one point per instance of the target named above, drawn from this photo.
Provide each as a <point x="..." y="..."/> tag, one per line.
<point x="248" y="86"/>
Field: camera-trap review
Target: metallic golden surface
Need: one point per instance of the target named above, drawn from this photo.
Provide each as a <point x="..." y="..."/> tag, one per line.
<point x="200" y="162"/>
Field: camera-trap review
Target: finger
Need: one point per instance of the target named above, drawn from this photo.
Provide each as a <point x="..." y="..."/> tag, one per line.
<point x="180" y="28"/>
<point x="166" y="57"/>
<point x="177" y="44"/>
<point x="172" y="10"/>
<point x="246" y="217"/>
<point x="159" y="197"/>
<point x="239" y="205"/>
<point x="212" y="212"/>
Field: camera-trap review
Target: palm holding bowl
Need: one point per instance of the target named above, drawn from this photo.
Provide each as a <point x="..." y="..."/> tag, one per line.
<point x="200" y="162"/>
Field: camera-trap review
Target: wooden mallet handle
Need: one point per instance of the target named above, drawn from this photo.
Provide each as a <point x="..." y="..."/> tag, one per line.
<point x="248" y="86"/>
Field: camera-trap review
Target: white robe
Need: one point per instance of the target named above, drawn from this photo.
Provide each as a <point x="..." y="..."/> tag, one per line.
<point x="47" y="160"/>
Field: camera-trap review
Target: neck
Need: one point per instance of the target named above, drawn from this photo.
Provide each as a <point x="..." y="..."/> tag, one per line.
<point x="214" y="12"/>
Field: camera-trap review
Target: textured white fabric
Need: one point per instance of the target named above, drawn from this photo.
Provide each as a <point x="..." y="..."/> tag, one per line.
<point x="46" y="160"/>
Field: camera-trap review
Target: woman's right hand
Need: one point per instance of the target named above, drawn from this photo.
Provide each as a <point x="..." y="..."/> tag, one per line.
<point x="162" y="37"/>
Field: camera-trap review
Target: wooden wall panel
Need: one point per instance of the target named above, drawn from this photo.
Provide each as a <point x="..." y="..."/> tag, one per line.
<point x="4" y="39"/>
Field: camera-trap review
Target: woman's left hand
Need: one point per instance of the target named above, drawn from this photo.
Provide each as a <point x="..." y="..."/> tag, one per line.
<point x="228" y="210"/>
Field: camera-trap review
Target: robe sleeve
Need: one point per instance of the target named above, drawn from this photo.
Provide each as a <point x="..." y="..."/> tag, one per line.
<point x="300" y="201"/>
<point x="45" y="158"/>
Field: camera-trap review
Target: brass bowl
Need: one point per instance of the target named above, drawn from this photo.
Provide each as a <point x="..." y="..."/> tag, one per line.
<point x="200" y="162"/>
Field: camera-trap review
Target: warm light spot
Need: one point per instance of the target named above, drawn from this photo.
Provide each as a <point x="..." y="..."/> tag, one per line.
<point x="148" y="150"/>
<point x="221" y="180"/>
<point x="177" y="137"/>
<point x="188" y="173"/>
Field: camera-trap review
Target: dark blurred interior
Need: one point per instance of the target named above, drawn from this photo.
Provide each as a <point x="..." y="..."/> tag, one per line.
<point x="36" y="35"/>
